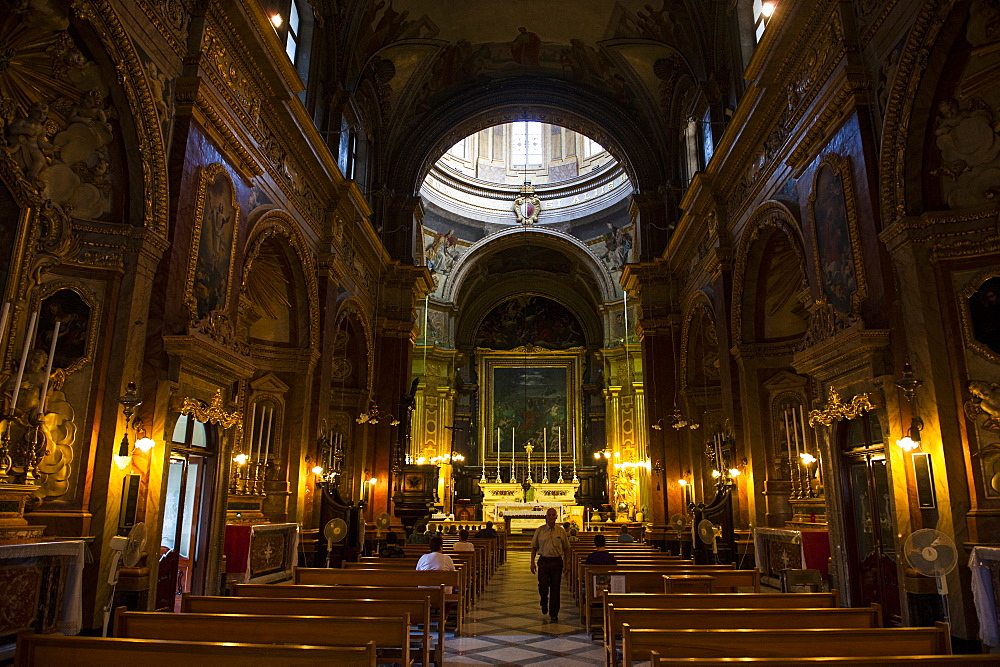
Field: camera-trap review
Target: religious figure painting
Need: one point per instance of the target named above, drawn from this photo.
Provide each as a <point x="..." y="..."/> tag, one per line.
<point x="984" y="311"/>
<point x="215" y="244"/>
<point x="835" y="257"/>
<point x="530" y="400"/>
<point x="67" y="307"/>
<point x="530" y="320"/>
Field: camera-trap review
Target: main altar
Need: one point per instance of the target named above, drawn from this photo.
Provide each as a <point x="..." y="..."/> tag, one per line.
<point x="521" y="508"/>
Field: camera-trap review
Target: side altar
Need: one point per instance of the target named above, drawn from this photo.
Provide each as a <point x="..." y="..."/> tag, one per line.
<point x="519" y="508"/>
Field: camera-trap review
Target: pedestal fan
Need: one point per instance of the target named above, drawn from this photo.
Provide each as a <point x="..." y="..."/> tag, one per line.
<point x="128" y="552"/>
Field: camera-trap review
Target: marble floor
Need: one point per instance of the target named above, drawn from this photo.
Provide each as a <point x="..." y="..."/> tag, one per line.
<point x="507" y="627"/>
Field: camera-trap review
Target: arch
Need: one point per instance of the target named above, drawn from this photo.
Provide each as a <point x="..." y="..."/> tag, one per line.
<point x="133" y="78"/>
<point x="351" y="307"/>
<point x="698" y="303"/>
<point x="771" y="217"/>
<point x="538" y="236"/>
<point x="279" y="224"/>
<point x="900" y="139"/>
<point x="529" y="98"/>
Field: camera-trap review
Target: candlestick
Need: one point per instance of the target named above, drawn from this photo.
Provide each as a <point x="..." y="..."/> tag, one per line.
<point x="48" y="369"/>
<point x="266" y="436"/>
<point x="498" y="457"/>
<point x="802" y="424"/>
<point x="512" y="479"/>
<point x="253" y="423"/>
<point x="24" y="360"/>
<point x="795" y="434"/>
<point x="575" y="478"/>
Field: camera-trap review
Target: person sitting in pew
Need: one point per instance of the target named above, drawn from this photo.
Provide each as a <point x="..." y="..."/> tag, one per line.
<point x="600" y="555"/>
<point x="419" y="534"/>
<point x="435" y="560"/>
<point x="624" y="536"/>
<point x="463" y="543"/>
<point x="391" y="548"/>
<point x="488" y="531"/>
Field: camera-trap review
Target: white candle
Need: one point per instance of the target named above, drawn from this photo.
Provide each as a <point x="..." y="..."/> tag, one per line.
<point x="253" y="422"/>
<point x="4" y="315"/>
<point x="24" y="359"/>
<point x="48" y="368"/>
<point x="802" y="424"/>
<point x="788" y="435"/>
<point x="266" y="435"/>
<point x="559" y="447"/>
<point x="512" y="455"/>
<point x="795" y="433"/>
<point x="545" y="452"/>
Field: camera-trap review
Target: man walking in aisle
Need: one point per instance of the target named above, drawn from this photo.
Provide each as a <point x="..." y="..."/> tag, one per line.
<point x="551" y="544"/>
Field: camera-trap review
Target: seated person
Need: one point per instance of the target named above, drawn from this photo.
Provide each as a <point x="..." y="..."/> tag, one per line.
<point x="488" y="531"/>
<point x="571" y="531"/>
<point x="391" y="548"/>
<point x="435" y="560"/>
<point x="419" y="534"/>
<point x="600" y="555"/>
<point x="463" y="543"/>
<point x="624" y="536"/>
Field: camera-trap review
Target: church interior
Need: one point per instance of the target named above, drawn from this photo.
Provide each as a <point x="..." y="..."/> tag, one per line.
<point x="723" y="275"/>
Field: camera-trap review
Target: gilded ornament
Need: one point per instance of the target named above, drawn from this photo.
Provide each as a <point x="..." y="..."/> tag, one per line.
<point x="214" y="413"/>
<point x="836" y="410"/>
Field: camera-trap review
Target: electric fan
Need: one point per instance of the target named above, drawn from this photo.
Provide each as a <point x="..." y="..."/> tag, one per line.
<point x="677" y="522"/>
<point x="334" y="531"/>
<point x="709" y="533"/>
<point x="933" y="554"/>
<point x="128" y="552"/>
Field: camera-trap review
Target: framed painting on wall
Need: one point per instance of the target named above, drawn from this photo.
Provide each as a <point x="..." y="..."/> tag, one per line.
<point x="217" y="214"/>
<point x="530" y="395"/>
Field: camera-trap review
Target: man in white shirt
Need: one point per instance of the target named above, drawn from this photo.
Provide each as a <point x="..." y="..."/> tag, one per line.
<point x="435" y="560"/>
<point x="463" y="543"/>
<point x="551" y="544"/>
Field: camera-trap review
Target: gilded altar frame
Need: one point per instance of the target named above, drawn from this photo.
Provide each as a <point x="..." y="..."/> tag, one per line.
<point x="564" y="365"/>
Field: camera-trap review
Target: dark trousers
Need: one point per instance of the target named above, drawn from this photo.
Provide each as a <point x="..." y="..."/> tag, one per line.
<point x="549" y="580"/>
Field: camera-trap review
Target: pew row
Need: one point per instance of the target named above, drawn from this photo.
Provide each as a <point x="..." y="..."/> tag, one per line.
<point x="419" y="612"/>
<point x="436" y="597"/>
<point x="881" y="661"/>
<point x="391" y="578"/>
<point x="391" y="634"/>
<point x="638" y="642"/>
<point x="33" y="650"/>
<point x="732" y="619"/>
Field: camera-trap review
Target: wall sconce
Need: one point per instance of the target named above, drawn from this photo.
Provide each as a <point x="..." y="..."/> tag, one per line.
<point x="276" y="20"/>
<point x="130" y="400"/>
<point x="240" y="459"/>
<point x="807" y="458"/>
<point x="911" y="440"/>
<point x="317" y="470"/>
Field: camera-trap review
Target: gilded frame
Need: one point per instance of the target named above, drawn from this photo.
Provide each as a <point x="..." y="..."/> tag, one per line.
<point x="968" y="330"/>
<point x="206" y="176"/>
<point x="489" y="361"/>
<point x="841" y="166"/>
<point x="90" y="299"/>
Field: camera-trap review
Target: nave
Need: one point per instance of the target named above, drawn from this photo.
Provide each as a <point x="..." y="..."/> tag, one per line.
<point x="506" y="627"/>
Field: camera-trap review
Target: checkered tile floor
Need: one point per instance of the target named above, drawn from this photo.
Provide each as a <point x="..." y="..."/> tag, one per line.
<point x="507" y="626"/>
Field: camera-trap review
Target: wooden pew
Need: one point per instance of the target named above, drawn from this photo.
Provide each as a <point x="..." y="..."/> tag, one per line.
<point x="719" y="601"/>
<point x="436" y="596"/>
<point x="722" y="619"/>
<point x="470" y="574"/>
<point x="727" y="580"/>
<point x="381" y="578"/>
<point x="419" y="611"/>
<point x="883" y="661"/>
<point x="34" y="650"/>
<point x="391" y="634"/>
<point x="855" y="642"/>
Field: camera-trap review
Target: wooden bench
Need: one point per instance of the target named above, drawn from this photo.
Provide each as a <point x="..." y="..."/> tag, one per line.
<point x="391" y="634"/>
<point x="881" y="661"/>
<point x="638" y="642"/>
<point x="465" y="564"/>
<point x="34" y="650"/>
<point x="436" y="597"/>
<point x="389" y="577"/>
<point x="419" y="612"/>
<point x="731" y="619"/>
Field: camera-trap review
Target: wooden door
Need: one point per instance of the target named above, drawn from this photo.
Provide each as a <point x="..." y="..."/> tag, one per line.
<point x="870" y="523"/>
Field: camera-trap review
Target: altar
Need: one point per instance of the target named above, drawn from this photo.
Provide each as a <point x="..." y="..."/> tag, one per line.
<point x="261" y="553"/>
<point x="525" y="509"/>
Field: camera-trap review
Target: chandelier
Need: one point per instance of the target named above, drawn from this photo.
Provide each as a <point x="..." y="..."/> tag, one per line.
<point x="373" y="415"/>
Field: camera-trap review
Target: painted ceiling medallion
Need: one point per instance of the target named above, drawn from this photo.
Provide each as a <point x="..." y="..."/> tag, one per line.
<point x="527" y="205"/>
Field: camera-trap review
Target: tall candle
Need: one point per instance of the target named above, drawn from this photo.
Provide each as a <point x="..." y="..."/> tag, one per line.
<point x="253" y="422"/>
<point x="545" y="453"/>
<point x="788" y="435"/>
<point x="48" y="368"/>
<point x="266" y="435"/>
<point x="795" y="433"/>
<point x="511" y="454"/>
<point x="559" y="447"/>
<point x="802" y="424"/>
<point x="24" y="359"/>
<point x="4" y="315"/>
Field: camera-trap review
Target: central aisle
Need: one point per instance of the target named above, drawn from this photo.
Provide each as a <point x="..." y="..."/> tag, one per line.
<point x="507" y="627"/>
